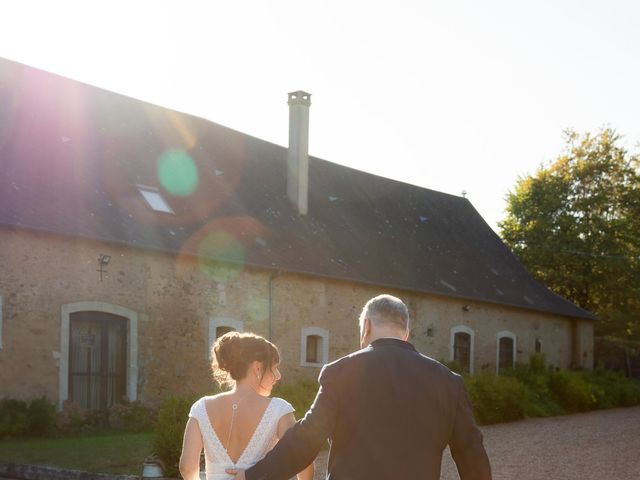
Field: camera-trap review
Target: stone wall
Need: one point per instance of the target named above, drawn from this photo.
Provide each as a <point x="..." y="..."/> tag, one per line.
<point x="175" y="298"/>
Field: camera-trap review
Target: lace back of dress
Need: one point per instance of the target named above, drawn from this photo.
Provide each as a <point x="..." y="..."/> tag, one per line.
<point x="217" y="457"/>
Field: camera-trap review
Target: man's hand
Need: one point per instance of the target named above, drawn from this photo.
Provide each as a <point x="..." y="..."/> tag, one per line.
<point x="239" y="474"/>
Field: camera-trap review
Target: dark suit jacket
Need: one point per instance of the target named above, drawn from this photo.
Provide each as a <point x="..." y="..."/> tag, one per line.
<point x="388" y="412"/>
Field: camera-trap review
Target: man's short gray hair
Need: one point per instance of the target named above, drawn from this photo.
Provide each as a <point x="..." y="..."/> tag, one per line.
<point x="386" y="310"/>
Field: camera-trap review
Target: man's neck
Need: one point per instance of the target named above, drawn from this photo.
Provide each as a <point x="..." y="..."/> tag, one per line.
<point x="377" y="336"/>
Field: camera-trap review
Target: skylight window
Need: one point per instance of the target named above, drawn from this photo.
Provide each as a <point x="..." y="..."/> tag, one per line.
<point x="154" y="199"/>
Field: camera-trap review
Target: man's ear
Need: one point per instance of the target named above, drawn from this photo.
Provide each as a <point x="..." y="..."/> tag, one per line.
<point x="364" y="331"/>
<point x="366" y="328"/>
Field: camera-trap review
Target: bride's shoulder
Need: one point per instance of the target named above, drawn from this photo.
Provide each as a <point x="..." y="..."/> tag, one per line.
<point x="213" y="399"/>
<point x="195" y="407"/>
<point x="282" y="405"/>
<point x="208" y="399"/>
<point x="205" y="403"/>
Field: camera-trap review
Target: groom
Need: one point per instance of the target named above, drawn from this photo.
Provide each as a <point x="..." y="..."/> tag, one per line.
<point x="388" y="412"/>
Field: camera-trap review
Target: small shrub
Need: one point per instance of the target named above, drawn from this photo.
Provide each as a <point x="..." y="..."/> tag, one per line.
<point x="541" y="404"/>
<point x="300" y="394"/>
<point x="537" y="363"/>
<point x="131" y="417"/>
<point x="41" y="417"/>
<point x="169" y="432"/>
<point x="453" y="366"/>
<point x="14" y="418"/>
<point x="613" y="389"/>
<point x="496" y="398"/>
<point x="72" y="419"/>
<point x="571" y="392"/>
<point x="534" y="374"/>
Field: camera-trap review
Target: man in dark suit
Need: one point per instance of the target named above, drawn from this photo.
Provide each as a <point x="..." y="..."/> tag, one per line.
<point x="388" y="412"/>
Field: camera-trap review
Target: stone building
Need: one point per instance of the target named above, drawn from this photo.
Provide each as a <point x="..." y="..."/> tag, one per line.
<point x="132" y="235"/>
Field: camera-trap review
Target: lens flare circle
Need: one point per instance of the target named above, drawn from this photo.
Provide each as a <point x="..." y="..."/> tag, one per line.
<point x="258" y="309"/>
<point x="177" y="172"/>
<point x="221" y="256"/>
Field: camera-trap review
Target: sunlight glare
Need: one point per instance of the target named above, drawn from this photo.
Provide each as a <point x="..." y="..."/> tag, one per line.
<point x="177" y="172"/>
<point x="221" y="256"/>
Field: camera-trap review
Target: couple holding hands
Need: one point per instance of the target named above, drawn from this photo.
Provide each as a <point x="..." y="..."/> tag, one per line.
<point x="387" y="411"/>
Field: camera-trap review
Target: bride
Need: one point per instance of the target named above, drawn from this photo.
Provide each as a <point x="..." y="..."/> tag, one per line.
<point x="237" y="428"/>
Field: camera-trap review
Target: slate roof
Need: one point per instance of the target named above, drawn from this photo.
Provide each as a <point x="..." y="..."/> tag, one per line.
<point x="72" y="157"/>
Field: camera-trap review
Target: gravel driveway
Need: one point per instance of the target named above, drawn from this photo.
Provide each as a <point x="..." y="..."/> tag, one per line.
<point x="590" y="446"/>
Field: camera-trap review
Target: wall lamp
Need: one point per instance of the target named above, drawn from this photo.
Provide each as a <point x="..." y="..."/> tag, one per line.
<point x="103" y="261"/>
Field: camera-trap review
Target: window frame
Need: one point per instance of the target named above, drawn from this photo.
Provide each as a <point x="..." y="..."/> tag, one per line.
<point x="537" y="342"/>
<point x="316" y="340"/>
<point x="323" y="348"/>
<point x="471" y="333"/>
<point x="512" y="336"/>
<point x="215" y="323"/>
<point x="154" y="196"/>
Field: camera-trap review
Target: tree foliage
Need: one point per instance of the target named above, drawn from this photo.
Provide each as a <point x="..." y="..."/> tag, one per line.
<point x="575" y="224"/>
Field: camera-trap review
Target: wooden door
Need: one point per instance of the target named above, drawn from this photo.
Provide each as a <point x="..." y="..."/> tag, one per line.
<point x="505" y="353"/>
<point x="97" y="360"/>
<point x="462" y="350"/>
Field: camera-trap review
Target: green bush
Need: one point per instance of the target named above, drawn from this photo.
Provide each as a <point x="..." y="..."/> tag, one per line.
<point x="300" y="394"/>
<point x="541" y="404"/>
<point x="613" y="389"/>
<point x="538" y="363"/>
<point x="131" y="417"/>
<point x="14" y="418"/>
<point x="453" y="366"/>
<point x="571" y="392"/>
<point x="497" y="398"/>
<point x="73" y="419"/>
<point x="17" y="419"/>
<point x="535" y="376"/>
<point x="169" y="432"/>
<point x="41" y="417"/>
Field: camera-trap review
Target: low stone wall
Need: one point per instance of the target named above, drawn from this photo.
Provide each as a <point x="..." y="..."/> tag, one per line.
<point x="39" y="472"/>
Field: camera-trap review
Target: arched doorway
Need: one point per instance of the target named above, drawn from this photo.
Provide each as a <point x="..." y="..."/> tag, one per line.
<point x="97" y="359"/>
<point x="461" y="347"/>
<point x="98" y="363"/>
<point x="506" y="354"/>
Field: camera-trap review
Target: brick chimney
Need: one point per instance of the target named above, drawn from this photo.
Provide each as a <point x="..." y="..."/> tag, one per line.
<point x="298" y="154"/>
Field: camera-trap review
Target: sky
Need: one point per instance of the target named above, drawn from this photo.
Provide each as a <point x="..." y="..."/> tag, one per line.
<point x="449" y="95"/>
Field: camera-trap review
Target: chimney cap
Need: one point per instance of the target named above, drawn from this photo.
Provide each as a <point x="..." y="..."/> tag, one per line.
<point x="299" y="97"/>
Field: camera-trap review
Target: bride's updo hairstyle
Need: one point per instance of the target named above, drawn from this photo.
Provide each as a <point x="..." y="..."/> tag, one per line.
<point x="233" y="352"/>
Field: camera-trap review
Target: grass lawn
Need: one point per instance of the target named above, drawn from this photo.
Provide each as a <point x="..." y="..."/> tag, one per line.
<point x="115" y="453"/>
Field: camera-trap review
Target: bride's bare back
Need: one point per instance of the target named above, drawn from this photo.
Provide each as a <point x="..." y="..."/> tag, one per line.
<point x="237" y="428"/>
<point x="234" y="430"/>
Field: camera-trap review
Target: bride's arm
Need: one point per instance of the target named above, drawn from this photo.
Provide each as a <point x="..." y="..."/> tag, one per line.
<point x="191" y="449"/>
<point x="286" y="422"/>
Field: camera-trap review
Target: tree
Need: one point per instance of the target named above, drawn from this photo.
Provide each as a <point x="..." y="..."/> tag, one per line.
<point x="575" y="225"/>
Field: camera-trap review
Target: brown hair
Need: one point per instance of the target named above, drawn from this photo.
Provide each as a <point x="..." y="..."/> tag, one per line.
<point x="233" y="352"/>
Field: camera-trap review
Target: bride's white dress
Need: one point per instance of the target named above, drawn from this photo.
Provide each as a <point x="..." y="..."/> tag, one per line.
<point x="264" y="438"/>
